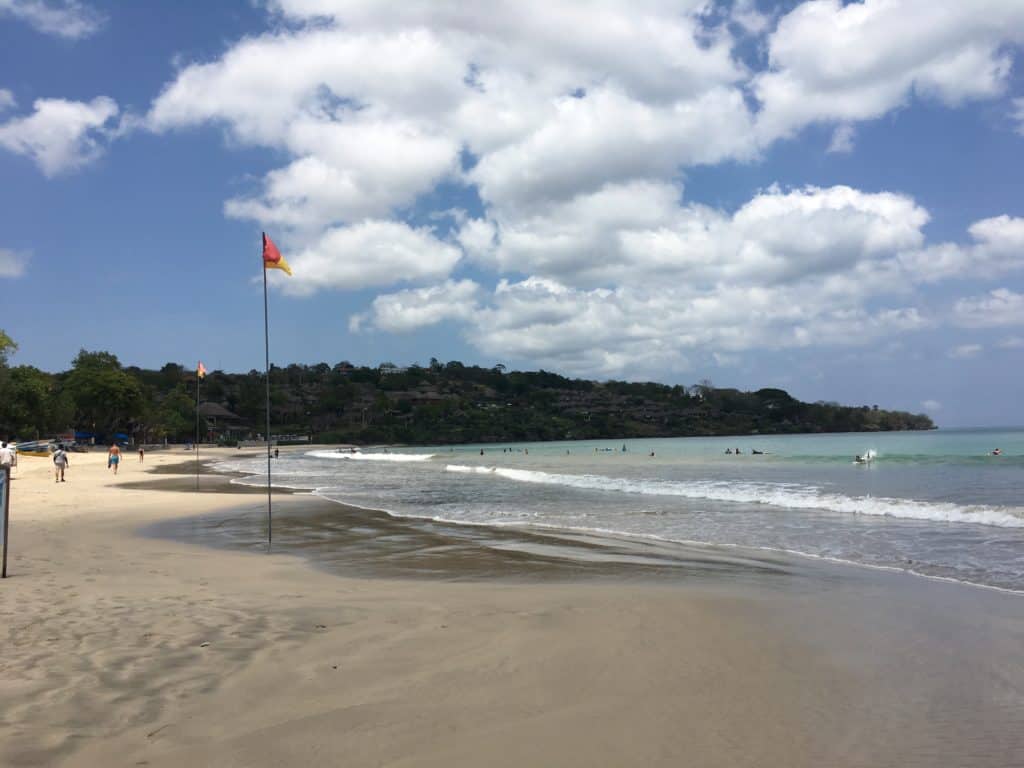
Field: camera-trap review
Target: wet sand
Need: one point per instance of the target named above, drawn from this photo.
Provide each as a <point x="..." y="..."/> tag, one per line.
<point x="413" y="647"/>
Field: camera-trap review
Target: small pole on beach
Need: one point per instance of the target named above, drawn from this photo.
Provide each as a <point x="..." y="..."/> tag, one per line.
<point x="198" y="379"/>
<point x="266" y="348"/>
<point x="6" y="493"/>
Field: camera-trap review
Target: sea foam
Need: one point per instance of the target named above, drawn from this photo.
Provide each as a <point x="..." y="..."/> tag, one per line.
<point x="400" y="457"/>
<point x="789" y="496"/>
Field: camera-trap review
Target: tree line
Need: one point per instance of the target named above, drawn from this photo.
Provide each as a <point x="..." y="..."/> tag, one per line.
<point x="433" y="404"/>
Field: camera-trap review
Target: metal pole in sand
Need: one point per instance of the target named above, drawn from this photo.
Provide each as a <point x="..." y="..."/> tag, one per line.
<point x="266" y="346"/>
<point x="5" y="491"/>
<point x="198" y="379"/>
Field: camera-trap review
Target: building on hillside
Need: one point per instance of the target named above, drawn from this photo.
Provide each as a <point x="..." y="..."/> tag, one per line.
<point x="222" y="423"/>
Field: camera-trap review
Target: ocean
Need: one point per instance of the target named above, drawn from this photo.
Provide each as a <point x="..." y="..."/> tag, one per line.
<point x="936" y="503"/>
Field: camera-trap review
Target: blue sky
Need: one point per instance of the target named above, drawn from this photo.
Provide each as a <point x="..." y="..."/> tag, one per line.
<point x="821" y="196"/>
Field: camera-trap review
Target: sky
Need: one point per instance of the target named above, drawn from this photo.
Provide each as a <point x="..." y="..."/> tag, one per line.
<point x="821" y="196"/>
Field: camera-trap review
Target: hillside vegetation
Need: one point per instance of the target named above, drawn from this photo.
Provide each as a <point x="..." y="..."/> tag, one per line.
<point x="439" y="403"/>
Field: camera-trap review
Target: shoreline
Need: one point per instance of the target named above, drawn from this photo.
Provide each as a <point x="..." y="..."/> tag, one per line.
<point x="775" y="558"/>
<point x="125" y="649"/>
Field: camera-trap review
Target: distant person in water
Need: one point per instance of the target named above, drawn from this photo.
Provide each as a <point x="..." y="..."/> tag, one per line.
<point x="113" y="457"/>
<point x="728" y="451"/>
<point x="997" y="452"/>
<point x="738" y="451"/>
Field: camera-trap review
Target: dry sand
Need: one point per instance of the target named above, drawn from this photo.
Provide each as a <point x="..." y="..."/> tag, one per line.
<point x="118" y="649"/>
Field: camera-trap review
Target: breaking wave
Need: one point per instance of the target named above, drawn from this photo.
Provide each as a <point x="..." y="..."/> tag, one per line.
<point x="399" y="457"/>
<point x="789" y="496"/>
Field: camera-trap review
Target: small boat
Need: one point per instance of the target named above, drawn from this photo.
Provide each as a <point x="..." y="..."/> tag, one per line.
<point x="40" y="448"/>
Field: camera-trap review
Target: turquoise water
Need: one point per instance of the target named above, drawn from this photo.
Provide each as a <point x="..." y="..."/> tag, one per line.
<point x="936" y="503"/>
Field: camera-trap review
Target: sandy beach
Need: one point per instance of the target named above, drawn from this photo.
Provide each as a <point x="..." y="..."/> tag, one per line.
<point x="120" y="648"/>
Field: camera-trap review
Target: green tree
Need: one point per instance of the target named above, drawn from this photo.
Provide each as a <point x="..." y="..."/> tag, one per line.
<point x="28" y="407"/>
<point x="106" y="398"/>
<point x="175" y="418"/>
<point x="7" y="346"/>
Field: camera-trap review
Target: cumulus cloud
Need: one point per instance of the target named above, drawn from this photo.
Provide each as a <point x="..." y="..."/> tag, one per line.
<point x="574" y="124"/>
<point x="371" y="253"/>
<point x="610" y="137"/>
<point x="375" y="104"/>
<point x="607" y="331"/>
<point x="998" y="248"/>
<point x="641" y="231"/>
<point x="7" y="100"/>
<point x="12" y="263"/>
<point x="60" y="135"/>
<point x="420" y="307"/>
<point x="932" y="406"/>
<point x="832" y="61"/>
<point x="64" y="18"/>
<point x="1000" y="307"/>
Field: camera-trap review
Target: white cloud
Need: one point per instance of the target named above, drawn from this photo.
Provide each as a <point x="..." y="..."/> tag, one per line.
<point x="60" y="135"/>
<point x="420" y="307"/>
<point x="746" y="14"/>
<point x="63" y="18"/>
<point x="965" y="351"/>
<point x="575" y="123"/>
<point x="1011" y="342"/>
<point x="842" y="139"/>
<point x="609" y="332"/>
<point x="375" y="104"/>
<point x="932" y="406"/>
<point x="998" y="249"/>
<point x="843" y="62"/>
<point x="610" y="137"/>
<point x="348" y="171"/>
<point x="7" y="100"/>
<point x="12" y="263"/>
<point x="1018" y="115"/>
<point x="371" y="253"/>
<point x="639" y="232"/>
<point x="1000" y="307"/>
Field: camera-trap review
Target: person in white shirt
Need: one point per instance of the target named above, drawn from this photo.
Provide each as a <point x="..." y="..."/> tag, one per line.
<point x="60" y="463"/>
<point x="6" y="455"/>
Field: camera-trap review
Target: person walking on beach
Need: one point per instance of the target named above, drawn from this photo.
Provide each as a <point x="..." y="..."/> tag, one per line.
<point x="60" y="463"/>
<point x="142" y="454"/>
<point x="6" y="455"/>
<point x="113" y="457"/>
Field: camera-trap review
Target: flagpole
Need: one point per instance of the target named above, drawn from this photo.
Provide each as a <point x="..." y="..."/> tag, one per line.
<point x="266" y="347"/>
<point x="198" y="379"/>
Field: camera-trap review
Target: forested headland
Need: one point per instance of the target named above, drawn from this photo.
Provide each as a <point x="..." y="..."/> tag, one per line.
<point x="437" y="403"/>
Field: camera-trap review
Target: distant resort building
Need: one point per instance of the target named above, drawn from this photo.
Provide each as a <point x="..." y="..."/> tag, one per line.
<point x="222" y="423"/>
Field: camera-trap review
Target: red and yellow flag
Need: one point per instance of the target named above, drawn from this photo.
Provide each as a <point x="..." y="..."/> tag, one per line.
<point x="201" y="370"/>
<point x="272" y="258"/>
